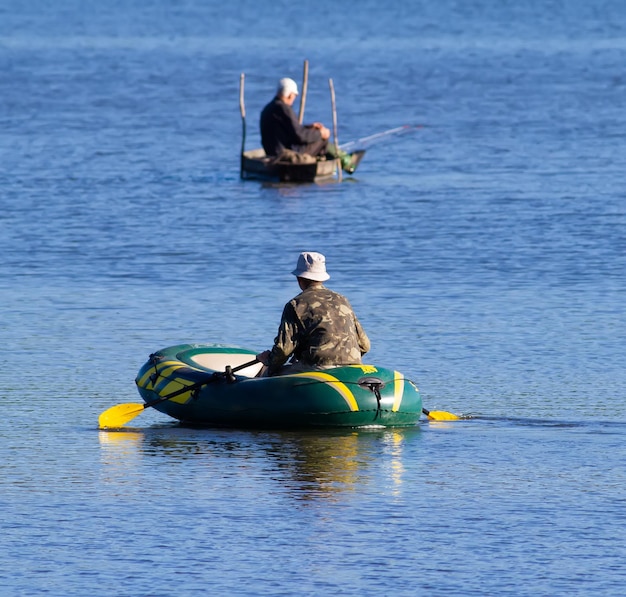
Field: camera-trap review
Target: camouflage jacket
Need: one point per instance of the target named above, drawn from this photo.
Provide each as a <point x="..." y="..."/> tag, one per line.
<point x="318" y="327"/>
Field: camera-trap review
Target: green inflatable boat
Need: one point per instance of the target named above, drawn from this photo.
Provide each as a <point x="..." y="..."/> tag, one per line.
<point x="214" y="385"/>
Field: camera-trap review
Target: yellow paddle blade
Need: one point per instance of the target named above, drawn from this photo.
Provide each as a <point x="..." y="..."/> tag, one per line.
<point x="116" y="416"/>
<point x="442" y="415"/>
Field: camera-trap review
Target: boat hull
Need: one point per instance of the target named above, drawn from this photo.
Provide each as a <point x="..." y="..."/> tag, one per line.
<point x="350" y="396"/>
<point x="256" y="165"/>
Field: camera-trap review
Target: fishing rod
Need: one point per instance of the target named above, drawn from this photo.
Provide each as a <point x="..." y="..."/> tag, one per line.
<point x="371" y="138"/>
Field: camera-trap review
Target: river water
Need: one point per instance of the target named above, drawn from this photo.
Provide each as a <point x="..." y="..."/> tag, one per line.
<point x="484" y="253"/>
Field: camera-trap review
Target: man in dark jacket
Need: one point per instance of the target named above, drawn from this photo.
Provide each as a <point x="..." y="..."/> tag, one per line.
<point x="318" y="328"/>
<point x="280" y="130"/>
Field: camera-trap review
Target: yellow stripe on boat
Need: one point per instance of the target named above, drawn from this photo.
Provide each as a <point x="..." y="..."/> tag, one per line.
<point x="142" y="382"/>
<point x="343" y="390"/>
<point x="367" y="369"/>
<point x="163" y="369"/>
<point x="398" y="391"/>
<point x="164" y="380"/>
<point x="177" y="384"/>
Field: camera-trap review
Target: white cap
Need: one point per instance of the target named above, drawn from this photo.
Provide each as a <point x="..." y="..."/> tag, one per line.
<point x="311" y="266"/>
<point x="287" y="87"/>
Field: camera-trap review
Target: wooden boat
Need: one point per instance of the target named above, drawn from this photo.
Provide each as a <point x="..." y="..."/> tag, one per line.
<point x="256" y="165"/>
<point x="216" y="385"/>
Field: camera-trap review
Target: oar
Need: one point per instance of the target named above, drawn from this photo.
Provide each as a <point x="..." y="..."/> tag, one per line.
<point x="119" y="415"/>
<point x="440" y="415"/>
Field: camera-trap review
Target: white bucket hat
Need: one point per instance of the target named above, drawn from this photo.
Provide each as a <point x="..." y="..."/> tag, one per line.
<point x="311" y="266"/>
<point x="287" y="87"/>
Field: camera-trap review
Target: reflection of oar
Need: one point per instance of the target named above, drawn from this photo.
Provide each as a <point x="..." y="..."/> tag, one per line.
<point x="371" y="138"/>
<point x="440" y="415"/>
<point x="119" y="415"/>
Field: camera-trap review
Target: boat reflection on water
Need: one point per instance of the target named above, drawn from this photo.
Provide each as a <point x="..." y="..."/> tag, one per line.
<point x="308" y="464"/>
<point x="334" y="462"/>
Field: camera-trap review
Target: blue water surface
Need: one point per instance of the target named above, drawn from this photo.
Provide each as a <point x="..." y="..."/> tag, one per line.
<point x="484" y="252"/>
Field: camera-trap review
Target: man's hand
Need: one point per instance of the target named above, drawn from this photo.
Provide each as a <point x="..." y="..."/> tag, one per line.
<point x="322" y="129"/>
<point x="264" y="357"/>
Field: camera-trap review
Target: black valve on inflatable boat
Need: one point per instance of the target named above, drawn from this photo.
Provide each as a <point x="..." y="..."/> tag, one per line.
<point x="373" y="384"/>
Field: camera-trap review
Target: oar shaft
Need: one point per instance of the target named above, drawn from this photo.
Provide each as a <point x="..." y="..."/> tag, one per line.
<point x="199" y="384"/>
<point x="189" y="388"/>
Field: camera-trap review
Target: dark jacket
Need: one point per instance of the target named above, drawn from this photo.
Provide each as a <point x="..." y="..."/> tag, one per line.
<point x="281" y="130"/>
<point x="319" y="328"/>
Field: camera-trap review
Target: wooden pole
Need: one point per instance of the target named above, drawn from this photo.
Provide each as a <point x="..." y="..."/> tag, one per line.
<point x="305" y="85"/>
<point x="335" y="138"/>
<point x="242" y="108"/>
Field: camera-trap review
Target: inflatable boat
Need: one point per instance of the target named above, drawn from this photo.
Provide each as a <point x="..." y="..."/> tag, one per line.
<point x="216" y="385"/>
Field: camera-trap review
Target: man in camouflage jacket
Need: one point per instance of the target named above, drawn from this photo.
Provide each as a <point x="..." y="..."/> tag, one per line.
<point x="318" y="328"/>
